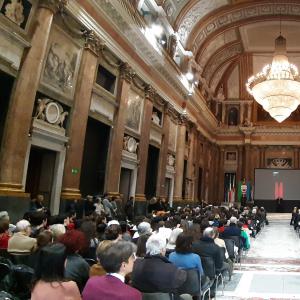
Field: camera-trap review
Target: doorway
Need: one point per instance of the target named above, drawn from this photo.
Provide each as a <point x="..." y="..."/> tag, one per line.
<point x="151" y="175"/>
<point x="125" y="183"/>
<point x="94" y="158"/>
<point x="40" y="173"/>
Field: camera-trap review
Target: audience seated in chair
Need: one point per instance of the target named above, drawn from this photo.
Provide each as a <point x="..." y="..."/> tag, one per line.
<point x="50" y="282"/>
<point x="155" y="273"/>
<point x="21" y="242"/>
<point x="77" y="269"/>
<point x="117" y="260"/>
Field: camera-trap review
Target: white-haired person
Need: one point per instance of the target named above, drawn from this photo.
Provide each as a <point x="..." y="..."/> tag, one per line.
<point x="21" y="242"/>
<point x="57" y="230"/>
<point x="155" y="273"/>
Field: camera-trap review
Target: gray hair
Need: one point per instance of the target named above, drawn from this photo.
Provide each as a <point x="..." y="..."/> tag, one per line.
<point x="22" y="225"/>
<point x="155" y="244"/>
<point x="208" y="232"/>
<point x="57" y="230"/>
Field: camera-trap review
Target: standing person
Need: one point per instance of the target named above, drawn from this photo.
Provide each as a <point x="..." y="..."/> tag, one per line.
<point x="50" y="282"/>
<point x="294" y="215"/>
<point x="108" y="207"/>
<point x="117" y="260"/>
<point x="129" y="209"/>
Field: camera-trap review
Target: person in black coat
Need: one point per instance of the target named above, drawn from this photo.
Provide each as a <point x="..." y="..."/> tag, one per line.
<point x="207" y="247"/>
<point x="155" y="273"/>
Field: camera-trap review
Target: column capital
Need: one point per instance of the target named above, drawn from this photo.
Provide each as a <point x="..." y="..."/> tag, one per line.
<point x="126" y="72"/>
<point x="183" y="120"/>
<point x="54" y="5"/>
<point x="92" y="41"/>
<point x="150" y="92"/>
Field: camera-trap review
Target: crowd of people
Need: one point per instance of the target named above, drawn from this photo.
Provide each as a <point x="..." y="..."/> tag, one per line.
<point x="111" y="254"/>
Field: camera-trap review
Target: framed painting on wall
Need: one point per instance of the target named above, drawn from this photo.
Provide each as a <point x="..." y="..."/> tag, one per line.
<point x="17" y="11"/>
<point x="135" y="106"/>
<point x="62" y="63"/>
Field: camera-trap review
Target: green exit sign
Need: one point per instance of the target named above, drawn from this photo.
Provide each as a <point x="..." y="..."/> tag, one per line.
<point x="75" y="171"/>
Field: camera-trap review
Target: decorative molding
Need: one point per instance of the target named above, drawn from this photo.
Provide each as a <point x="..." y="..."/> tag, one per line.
<point x="150" y="92"/>
<point x="54" y="5"/>
<point x="126" y="72"/>
<point x="50" y="112"/>
<point x="130" y="144"/>
<point x="92" y="41"/>
<point x="195" y="14"/>
<point x="238" y="14"/>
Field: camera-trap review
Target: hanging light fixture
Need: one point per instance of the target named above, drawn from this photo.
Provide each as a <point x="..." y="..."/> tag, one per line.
<point x="277" y="86"/>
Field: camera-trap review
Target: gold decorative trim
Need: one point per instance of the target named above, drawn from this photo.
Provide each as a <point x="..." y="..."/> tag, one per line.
<point x="70" y="194"/>
<point x="140" y="198"/>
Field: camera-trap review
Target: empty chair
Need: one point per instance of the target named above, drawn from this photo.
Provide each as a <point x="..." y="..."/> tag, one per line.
<point x="195" y="284"/>
<point x="157" y="296"/>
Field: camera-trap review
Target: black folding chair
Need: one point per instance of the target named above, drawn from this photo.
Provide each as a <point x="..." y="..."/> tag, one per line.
<point x="195" y="285"/>
<point x="23" y="276"/>
<point x="209" y="269"/>
<point x="157" y="296"/>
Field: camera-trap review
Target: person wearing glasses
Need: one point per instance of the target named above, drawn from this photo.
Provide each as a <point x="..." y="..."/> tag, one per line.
<point x="117" y="260"/>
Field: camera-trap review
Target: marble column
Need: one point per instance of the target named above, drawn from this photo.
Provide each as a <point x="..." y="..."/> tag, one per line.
<point x="18" y="121"/>
<point x="221" y="175"/>
<point x="190" y="167"/>
<point x="163" y="154"/>
<point x="180" y="149"/>
<point x="79" y="118"/>
<point x="249" y="112"/>
<point x="247" y="161"/>
<point x="262" y="157"/>
<point x="240" y="174"/>
<point x="242" y="109"/>
<point x="140" y="200"/>
<point x="223" y="112"/>
<point x="116" y="145"/>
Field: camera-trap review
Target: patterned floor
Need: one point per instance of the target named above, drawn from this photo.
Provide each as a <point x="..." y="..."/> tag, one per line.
<point x="271" y="269"/>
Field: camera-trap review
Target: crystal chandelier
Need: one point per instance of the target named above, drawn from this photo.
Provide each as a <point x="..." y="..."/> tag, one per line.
<point x="277" y="86"/>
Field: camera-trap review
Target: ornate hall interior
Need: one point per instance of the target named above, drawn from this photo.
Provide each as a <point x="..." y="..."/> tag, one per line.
<point x="140" y="98"/>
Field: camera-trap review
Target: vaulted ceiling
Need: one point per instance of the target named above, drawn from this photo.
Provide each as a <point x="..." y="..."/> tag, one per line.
<point x="219" y="32"/>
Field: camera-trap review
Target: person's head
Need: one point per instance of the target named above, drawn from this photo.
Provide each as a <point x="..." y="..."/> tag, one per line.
<point x="208" y="232"/>
<point x="113" y="232"/>
<point x="173" y="237"/>
<point x="24" y="226"/>
<point x="102" y="247"/>
<point x="89" y="229"/>
<point x="50" y="263"/>
<point x="233" y="220"/>
<point x="144" y="228"/>
<point x="40" y="198"/>
<point x="74" y="241"/>
<point x="156" y="245"/>
<point x="184" y="243"/>
<point x="141" y="245"/>
<point x="57" y="230"/>
<point x="4" y="225"/>
<point x="44" y="238"/>
<point x="4" y="216"/>
<point x="118" y="258"/>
